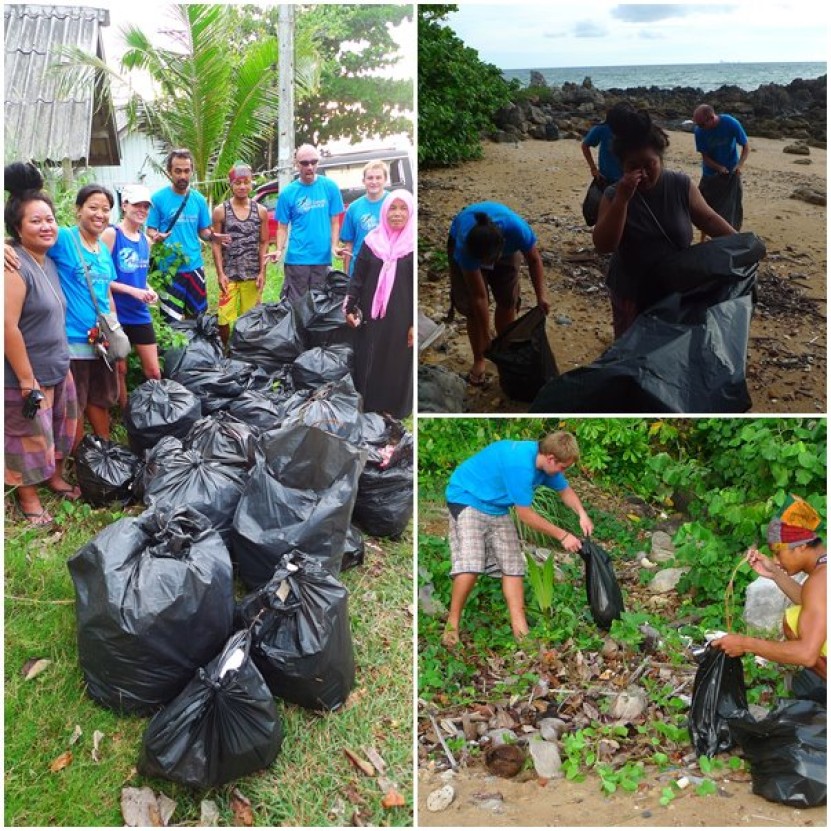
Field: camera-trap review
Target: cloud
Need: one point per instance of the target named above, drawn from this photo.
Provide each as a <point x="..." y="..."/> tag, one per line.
<point x="589" y="29"/>
<point x="649" y="34"/>
<point x="651" y="12"/>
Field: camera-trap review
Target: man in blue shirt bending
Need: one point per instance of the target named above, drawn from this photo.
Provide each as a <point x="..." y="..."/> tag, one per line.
<point x="717" y="138"/>
<point x="483" y="537"/>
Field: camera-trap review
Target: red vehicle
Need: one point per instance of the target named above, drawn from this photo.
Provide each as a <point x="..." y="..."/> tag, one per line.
<point x="347" y="170"/>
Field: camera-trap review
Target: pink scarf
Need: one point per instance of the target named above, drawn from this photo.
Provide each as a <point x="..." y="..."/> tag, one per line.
<point x="390" y="246"/>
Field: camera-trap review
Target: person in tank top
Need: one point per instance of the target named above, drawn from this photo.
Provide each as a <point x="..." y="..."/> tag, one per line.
<point x="240" y="264"/>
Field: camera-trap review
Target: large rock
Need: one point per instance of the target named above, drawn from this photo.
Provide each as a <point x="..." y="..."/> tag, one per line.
<point x="546" y="757"/>
<point x="666" y="580"/>
<point x="440" y="391"/>
<point x="663" y="548"/>
<point x="629" y="705"/>
<point x="765" y="604"/>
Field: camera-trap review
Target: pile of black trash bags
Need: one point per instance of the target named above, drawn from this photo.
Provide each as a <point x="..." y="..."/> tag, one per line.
<point x="787" y="750"/>
<point x="261" y="466"/>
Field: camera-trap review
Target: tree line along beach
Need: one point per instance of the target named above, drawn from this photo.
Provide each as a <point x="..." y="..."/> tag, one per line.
<point x="532" y="162"/>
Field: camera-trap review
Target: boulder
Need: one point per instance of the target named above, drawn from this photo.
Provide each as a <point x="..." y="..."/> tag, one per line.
<point x="546" y="757"/>
<point x="666" y="580"/>
<point x="663" y="548"/>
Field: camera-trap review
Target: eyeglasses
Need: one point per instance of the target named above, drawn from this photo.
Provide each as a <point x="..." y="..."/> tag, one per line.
<point x="308" y="162"/>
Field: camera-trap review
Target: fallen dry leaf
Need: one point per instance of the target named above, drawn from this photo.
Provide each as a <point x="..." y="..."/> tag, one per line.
<point x="33" y="667"/>
<point x="76" y="734"/>
<point x="375" y="757"/>
<point x="241" y="808"/>
<point x="362" y="765"/>
<point x="208" y="813"/>
<point x="97" y="738"/>
<point x="393" y="799"/>
<point x="64" y="760"/>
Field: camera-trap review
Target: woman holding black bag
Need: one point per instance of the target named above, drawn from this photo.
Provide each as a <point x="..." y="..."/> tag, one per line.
<point x="40" y="409"/>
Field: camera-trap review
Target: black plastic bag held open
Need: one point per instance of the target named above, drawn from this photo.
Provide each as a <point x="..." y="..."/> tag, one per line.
<point x="719" y="694"/>
<point x="602" y="589"/>
<point x="222" y="726"/>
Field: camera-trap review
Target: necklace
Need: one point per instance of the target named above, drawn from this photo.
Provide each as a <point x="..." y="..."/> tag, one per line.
<point x="93" y="248"/>
<point x="61" y="301"/>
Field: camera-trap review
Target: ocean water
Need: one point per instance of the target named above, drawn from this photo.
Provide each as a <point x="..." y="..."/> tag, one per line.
<point x="704" y="76"/>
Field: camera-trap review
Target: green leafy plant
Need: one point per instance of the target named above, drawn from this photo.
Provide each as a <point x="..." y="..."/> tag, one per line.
<point x="541" y="579"/>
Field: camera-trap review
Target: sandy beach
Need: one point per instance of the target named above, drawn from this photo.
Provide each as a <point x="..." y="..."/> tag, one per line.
<point x="545" y="183"/>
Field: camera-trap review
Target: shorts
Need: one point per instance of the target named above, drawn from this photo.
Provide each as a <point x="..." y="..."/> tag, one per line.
<point x="186" y="295"/>
<point x="242" y="295"/>
<point x="485" y="544"/>
<point x="140" y="334"/>
<point x="95" y="383"/>
<point x="502" y="280"/>
<point x="299" y="279"/>
<point x="32" y="446"/>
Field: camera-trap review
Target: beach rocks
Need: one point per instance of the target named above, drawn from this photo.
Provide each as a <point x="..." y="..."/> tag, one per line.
<point x="546" y="757"/>
<point x="663" y="548"/>
<point x="666" y="580"/>
<point x="441" y="799"/>
<point x="810" y="195"/>
<point x="797" y="149"/>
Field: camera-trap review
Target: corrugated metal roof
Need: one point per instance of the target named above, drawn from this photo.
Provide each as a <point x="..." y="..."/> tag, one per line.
<point x="38" y="124"/>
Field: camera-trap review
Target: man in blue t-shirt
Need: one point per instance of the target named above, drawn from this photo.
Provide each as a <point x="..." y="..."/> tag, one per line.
<point x="364" y="213"/>
<point x="483" y="250"/>
<point x="311" y="205"/>
<point x="483" y="537"/>
<point x="179" y="215"/>
<point x="717" y="138"/>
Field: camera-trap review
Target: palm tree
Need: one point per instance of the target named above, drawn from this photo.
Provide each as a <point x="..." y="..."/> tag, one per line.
<point x="209" y="94"/>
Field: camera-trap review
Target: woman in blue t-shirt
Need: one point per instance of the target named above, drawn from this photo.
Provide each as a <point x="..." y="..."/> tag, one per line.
<point x="130" y="250"/>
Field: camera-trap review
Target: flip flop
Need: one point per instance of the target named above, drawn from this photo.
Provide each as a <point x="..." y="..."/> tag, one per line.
<point x="38" y="519"/>
<point x="477" y="379"/>
<point x="70" y="493"/>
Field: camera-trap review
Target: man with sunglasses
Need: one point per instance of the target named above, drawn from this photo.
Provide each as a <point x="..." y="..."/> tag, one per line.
<point x="311" y="205"/>
<point x="483" y="538"/>
<point x="796" y="547"/>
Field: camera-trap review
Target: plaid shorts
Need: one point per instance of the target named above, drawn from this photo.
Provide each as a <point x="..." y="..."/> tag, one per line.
<point x="485" y="544"/>
<point x="32" y="446"/>
<point x="186" y="295"/>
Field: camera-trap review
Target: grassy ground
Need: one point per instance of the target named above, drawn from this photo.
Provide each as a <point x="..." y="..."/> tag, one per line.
<point x="312" y="782"/>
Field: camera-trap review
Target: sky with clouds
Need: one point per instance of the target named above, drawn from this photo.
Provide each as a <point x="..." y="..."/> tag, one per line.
<point x="537" y="35"/>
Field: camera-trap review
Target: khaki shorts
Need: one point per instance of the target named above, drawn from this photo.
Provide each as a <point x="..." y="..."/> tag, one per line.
<point x="502" y="280"/>
<point x="485" y="544"/>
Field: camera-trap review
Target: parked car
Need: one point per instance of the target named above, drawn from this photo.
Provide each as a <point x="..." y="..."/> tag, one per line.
<point x="347" y="171"/>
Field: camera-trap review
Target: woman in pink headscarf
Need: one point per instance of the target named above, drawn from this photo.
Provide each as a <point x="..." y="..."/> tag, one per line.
<point x="379" y="303"/>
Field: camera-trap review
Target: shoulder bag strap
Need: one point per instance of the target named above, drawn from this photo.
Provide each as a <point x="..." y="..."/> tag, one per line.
<point x="86" y="269"/>
<point x="178" y="213"/>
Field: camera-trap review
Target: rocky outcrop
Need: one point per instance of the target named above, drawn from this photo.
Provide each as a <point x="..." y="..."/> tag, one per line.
<point x="797" y="111"/>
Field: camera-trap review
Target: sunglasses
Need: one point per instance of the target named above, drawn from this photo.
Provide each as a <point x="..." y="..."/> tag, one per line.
<point x="308" y="162"/>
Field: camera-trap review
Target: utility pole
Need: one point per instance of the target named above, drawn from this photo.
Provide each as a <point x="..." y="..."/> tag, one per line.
<point x="285" y="125"/>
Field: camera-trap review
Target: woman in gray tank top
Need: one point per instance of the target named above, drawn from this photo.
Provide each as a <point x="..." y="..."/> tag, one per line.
<point x="40" y="405"/>
<point x="646" y="216"/>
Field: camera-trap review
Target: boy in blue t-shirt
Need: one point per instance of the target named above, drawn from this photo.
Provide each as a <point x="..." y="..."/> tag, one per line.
<point x="364" y="214"/>
<point x="483" y="537"/>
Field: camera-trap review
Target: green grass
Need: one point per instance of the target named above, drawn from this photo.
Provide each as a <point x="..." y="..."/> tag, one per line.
<point x="312" y="782"/>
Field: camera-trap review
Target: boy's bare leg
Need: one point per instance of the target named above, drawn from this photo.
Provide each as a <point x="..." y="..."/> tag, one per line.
<point x="514" y="590"/>
<point x="462" y="586"/>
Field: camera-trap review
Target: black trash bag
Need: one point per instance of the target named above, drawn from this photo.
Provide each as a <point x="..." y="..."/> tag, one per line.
<point x="224" y="438"/>
<point x="262" y="410"/>
<point x="204" y="346"/>
<point x="319" y="313"/>
<point x="215" y="384"/>
<point x="186" y="478"/>
<point x="385" y="493"/>
<point x="684" y="355"/>
<point x="321" y="365"/>
<point x="591" y="202"/>
<point x="788" y="752"/>
<point x="154" y="602"/>
<point x="299" y="496"/>
<point x="149" y="467"/>
<point x="335" y="407"/>
<point x="602" y="588"/>
<point x="266" y="336"/>
<point x="157" y="409"/>
<point x="301" y="638"/>
<point x="381" y="436"/>
<point x="221" y="727"/>
<point x="724" y="195"/>
<point x="106" y="471"/>
<point x="719" y="696"/>
<point x="354" y="549"/>
<point x="276" y="382"/>
<point x="523" y="356"/>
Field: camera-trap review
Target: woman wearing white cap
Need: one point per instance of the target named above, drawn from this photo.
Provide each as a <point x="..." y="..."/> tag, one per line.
<point x="130" y="250"/>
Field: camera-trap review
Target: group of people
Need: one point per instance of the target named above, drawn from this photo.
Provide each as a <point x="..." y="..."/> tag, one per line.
<point x="645" y="212"/>
<point x="505" y="475"/>
<point x="58" y="279"/>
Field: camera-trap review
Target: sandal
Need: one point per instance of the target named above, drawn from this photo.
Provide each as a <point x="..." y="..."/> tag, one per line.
<point x="477" y="379"/>
<point x="37" y="519"/>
